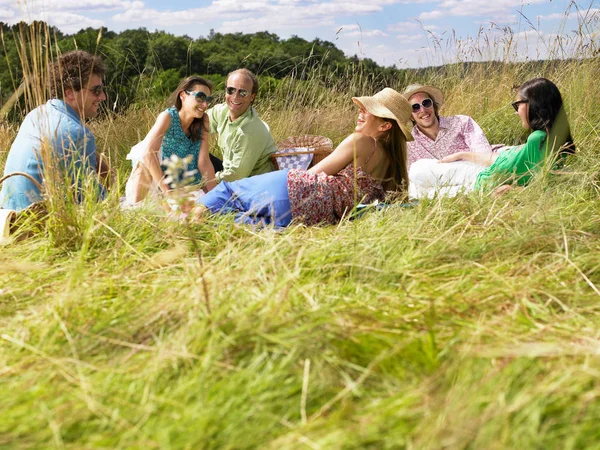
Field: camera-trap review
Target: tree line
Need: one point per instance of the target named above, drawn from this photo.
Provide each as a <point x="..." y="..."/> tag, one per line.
<point x="151" y="63"/>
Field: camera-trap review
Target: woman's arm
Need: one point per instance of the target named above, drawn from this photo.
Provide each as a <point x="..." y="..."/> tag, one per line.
<point x="483" y="159"/>
<point x="355" y="148"/>
<point x="154" y="139"/>
<point x="205" y="167"/>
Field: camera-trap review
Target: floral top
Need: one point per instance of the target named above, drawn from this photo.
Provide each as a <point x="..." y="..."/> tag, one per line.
<point x="457" y="134"/>
<point x="320" y="198"/>
<point x="175" y="142"/>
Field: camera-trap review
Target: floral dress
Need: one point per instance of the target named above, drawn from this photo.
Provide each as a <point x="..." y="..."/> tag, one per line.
<point x="321" y="198"/>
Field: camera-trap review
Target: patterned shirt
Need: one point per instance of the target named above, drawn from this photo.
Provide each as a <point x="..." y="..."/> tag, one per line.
<point x="320" y="198"/>
<point x="175" y="142"/>
<point x="457" y="134"/>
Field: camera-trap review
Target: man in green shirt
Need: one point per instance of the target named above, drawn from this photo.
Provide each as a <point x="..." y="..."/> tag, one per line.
<point x="244" y="139"/>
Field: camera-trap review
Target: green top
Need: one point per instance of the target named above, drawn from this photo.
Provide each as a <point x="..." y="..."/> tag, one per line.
<point x="516" y="164"/>
<point x="246" y="143"/>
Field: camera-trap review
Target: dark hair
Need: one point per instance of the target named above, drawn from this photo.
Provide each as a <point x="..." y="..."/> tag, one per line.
<point x="545" y="106"/>
<point x="394" y="145"/>
<point x="73" y="70"/>
<point x="250" y="75"/>
<point x="175" y="100"/>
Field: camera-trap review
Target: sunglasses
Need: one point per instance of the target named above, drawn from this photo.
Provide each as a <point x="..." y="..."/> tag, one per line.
<point x="231" y="90"/>
<point x="96" y="90"/>
<point x="426" y="104"/>
<point x="201" y="97"/>
<point x="517" y="103"/>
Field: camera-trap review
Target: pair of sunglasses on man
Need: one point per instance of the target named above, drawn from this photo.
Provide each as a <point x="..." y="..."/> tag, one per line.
<point x="201" y="97"/>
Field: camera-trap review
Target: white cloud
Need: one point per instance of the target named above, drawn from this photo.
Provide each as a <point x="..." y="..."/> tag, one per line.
<point x="495" y="10"/>
<point x="405" y="27"/>
<point x="280" y="14"/>
<point x="587" y="14"/>
<point x="37" y="7"/>
<point x="6" y="15"/>
<point x="355" y="30"/>
<point x="410" y="38"/>
<point x="281" y="24"/>
<point x="68" y="22"/>
<point x="366" y="33"/>
<point x="431" y="15"/>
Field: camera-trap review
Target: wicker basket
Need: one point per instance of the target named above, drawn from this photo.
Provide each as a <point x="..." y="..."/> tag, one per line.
<point x="318" y="146"/>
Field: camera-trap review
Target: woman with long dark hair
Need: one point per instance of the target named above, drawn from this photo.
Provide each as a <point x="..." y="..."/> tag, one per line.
<point x="181" y="130"/>
<point x="539" y="105"/>
<point x="365" y="164"/>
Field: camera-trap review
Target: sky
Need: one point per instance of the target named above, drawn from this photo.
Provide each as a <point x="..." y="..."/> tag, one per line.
<point x="404" y="33"/>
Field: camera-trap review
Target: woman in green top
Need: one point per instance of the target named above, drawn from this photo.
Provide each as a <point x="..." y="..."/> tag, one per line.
<point x="540" y="107"/>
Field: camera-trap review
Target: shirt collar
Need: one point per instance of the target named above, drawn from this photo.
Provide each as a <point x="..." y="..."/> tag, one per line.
<point x="443" y="126"/>
<point x="249" y="112"/>
<point x="63" y="106"/>
<point x="443" y="123"/>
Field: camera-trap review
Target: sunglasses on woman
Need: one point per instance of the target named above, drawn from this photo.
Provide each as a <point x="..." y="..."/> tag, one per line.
<point x="517" y="103"/>
<point x="201" y="97"/>
<point x="426" y="104"/>
<point x="231" y="90"/>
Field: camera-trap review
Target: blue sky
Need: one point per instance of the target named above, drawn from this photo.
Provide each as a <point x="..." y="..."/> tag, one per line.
<point x="407" y="33"/>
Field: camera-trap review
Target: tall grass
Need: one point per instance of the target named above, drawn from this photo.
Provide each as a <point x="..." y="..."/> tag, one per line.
<point x="460" y="323"/>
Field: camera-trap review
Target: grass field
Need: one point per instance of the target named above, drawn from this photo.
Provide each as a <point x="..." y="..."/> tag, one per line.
<point x="470" y="322"/>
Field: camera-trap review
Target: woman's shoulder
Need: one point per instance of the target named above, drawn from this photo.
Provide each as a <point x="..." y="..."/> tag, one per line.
<point x="536" y="137"/>
<point x="171" y="112"/>
<point x="163" y="121"/>
<point x="361" y="139"/>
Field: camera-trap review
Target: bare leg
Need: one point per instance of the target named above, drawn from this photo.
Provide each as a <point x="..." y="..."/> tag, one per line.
<point x="138" y="184"/>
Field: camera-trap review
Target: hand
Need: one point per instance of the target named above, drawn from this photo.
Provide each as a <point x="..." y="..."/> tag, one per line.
<point x="501" y="190"/>
<point x="459" y="156"/>
<point x="197" y="213"/>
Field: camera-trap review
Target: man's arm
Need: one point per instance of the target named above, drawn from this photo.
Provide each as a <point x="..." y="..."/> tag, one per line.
<point x="103" y="169"/>
<point x="154" y="140"/>
<point x="204" y="165"/>
<point x="75" y="146"/>
<point x="483" y="159"/>
<point x="245" y="151"/>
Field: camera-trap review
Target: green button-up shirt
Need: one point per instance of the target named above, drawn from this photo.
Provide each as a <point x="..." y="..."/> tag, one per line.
<point x="246" y="143"/>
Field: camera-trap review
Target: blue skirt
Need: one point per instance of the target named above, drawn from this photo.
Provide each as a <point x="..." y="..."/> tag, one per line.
<point x="258" y="200"/>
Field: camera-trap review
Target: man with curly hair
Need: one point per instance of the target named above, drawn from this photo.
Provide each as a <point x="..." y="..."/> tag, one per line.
<point x="55" y="133"/>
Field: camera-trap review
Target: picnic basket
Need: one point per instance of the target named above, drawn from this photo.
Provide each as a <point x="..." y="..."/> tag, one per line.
<point x="301" y="152"/>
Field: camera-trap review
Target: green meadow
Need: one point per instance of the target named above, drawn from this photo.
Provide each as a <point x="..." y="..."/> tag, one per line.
<point x="471" y="322"/>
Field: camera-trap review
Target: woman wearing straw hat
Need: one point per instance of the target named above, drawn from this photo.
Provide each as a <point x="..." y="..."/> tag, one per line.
<point x="436" y="137"/>
<point x="366" y="164"/>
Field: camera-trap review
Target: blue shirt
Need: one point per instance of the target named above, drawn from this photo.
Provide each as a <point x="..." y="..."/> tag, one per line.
<point x="70" y="142"/>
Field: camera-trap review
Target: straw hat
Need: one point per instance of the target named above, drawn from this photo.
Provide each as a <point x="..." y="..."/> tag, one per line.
<point x="436" y="95"/>
<point x="391" y="105"/>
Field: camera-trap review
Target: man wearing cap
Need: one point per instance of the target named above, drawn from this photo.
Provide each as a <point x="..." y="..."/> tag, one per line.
<point x="435" y="136"/>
